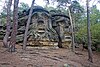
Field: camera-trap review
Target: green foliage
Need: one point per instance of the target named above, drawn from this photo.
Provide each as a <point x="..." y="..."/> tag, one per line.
<point x="77" y="11"/>
<point x="57" y="10"/>
<point x="63" y="2"/>
<point x="81" y="36"/>
<point x="94" y="20"/>
<point x="76" y="7"/>
<point x="3" y="21"/>
<point x="49" y="8"/>
<point x="94" y="15"/>
<point x="95" y="31"/>
<point x="23" y="6"/>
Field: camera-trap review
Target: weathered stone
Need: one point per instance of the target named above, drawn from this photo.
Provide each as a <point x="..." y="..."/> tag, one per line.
<point x="45" y="28"/>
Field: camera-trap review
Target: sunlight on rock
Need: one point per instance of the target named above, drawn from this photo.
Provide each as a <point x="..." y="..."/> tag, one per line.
<point x="66" y="65"/>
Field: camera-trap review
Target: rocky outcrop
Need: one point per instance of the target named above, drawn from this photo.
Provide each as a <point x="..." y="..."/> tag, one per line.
<point x="45" y="29"/>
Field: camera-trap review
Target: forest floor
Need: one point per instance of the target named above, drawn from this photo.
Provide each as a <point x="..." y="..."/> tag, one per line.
<point x="33" y="57"/>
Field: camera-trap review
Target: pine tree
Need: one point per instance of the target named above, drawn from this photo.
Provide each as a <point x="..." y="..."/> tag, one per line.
<point x="27" y="26"/>
<point x="8" y="24"/>
<point x="14" y="28"/>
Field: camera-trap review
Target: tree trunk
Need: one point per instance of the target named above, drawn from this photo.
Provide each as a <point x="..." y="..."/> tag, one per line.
<point x="73" y="44"/>
<point x="59" y="42"/>
<point x="89" y="34"/>
<point x="8" y="24"/>
<point x="14" y="29"/>
<point x="59" y="37"/>
<point x="27" y="26"/>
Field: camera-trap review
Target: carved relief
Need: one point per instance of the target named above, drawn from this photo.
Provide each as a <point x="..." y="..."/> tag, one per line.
<point x="46" y="29"/>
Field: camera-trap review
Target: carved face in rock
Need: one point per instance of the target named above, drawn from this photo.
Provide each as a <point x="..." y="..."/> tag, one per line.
<point x="62" y="25"/>
<point x="40" y="23"/>
<point x="64" y="22"/>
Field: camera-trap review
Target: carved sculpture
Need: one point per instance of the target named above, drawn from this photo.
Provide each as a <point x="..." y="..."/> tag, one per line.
<point x="46" y="29"/>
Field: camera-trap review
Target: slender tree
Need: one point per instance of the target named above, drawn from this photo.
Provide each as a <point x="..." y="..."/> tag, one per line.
<point x="73" y="44"/>
<point x="89" y="34"/>
<point x="27" y="26"/>
<point x="8" y="24"/>
<point x="14" y="28"/>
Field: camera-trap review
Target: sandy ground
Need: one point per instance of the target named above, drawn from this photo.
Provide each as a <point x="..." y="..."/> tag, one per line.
<point x="33" y="57"/>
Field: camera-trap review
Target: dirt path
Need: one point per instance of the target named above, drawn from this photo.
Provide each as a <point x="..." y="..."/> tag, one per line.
<point x="46" y="58"/>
